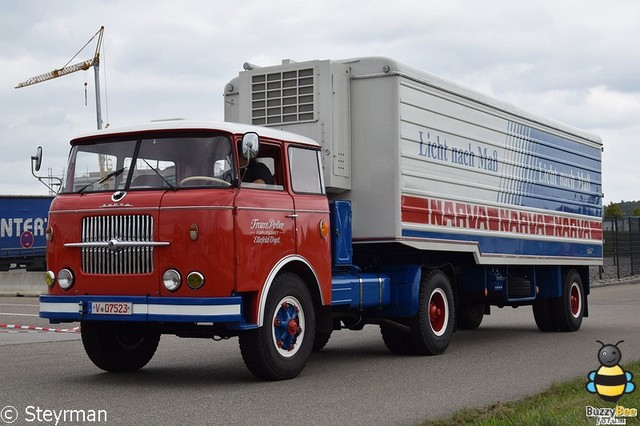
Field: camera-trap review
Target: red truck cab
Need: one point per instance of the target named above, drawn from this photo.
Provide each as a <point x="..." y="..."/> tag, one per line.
<point x="160" y="229"/>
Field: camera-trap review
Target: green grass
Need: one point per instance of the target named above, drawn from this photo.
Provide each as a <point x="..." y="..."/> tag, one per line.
<point x="562" y="404"/>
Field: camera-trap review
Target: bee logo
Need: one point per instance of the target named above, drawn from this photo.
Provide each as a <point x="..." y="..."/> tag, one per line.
<point x="610" y="381"/>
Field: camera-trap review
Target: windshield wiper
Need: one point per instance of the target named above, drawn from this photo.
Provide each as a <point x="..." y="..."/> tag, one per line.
<point x="99" y="181"/>
<point x="171" y="186"/>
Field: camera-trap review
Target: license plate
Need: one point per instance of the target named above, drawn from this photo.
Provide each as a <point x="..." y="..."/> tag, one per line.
<point x="111" y="308"/>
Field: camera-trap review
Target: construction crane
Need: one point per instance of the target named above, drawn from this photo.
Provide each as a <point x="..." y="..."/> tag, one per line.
<point x="103" y="163"/>
<point x="81" y="66"/>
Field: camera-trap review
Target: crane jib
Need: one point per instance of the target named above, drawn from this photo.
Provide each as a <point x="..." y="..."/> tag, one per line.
<point x="81" y="66"/>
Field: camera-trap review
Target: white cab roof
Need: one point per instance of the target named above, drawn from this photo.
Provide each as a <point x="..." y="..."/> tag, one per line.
<point x="235" y="128"/>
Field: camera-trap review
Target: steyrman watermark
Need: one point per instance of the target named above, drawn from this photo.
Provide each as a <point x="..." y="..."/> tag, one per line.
<point x="36" y="414"/>
<point x="9" y="414"/>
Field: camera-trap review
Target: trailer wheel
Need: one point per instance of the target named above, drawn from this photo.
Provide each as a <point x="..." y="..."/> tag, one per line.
<point x="280" y="349"/>
<point x="119" y="347"/>
<point x="569" y="309"/>
<point x="433" y="325"/>
<point x="543" y="313"/>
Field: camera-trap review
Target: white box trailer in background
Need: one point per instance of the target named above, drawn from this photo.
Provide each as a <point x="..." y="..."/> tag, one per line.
<point x="442" y="175"/>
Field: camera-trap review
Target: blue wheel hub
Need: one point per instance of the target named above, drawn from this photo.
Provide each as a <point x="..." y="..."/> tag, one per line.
<point x="286" y="326"/>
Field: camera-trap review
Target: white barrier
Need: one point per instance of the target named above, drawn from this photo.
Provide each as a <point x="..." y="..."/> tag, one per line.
<point x="19" y="282"/>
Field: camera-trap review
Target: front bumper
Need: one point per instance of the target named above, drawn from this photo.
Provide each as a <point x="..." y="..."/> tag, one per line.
<point x="221" y="310"/>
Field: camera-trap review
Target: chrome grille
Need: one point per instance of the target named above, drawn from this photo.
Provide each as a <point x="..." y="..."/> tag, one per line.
<point x="123" y="260"/>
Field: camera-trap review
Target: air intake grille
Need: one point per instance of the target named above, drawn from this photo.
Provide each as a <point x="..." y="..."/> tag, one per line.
<point x="124" y="260"/>
<point x="282" y="97"/>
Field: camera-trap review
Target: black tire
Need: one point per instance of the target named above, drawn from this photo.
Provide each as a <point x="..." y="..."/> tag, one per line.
<point x="397" y="341"/>
<point x="569" y="309"/>
<point x="432" y="327"/>
<point x="321" y="340"/>
<point x="543" y="313"/>
<point x="119" y="347"/>
<point x="470" y="315"/>
<point x="279" y="349"/>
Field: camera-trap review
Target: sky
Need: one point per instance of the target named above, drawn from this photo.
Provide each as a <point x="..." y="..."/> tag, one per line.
<point x="574" y="61"/>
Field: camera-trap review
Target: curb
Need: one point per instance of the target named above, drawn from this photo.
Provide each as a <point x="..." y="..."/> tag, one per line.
<point x="622" y="281"/>
<point x="18" y="282"/>
<point x="21" y="293"/>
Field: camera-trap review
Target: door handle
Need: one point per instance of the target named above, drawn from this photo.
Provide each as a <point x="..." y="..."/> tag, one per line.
<point x="292" y="215"/>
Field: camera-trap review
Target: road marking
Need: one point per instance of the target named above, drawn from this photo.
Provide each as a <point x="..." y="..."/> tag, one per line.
<point x="16" y="328"/>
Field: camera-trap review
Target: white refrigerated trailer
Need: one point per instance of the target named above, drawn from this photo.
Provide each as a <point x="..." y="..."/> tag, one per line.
<point x="507" y="203"/>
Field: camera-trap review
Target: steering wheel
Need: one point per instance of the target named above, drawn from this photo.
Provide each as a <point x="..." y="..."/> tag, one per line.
<point x="206" y="179"/>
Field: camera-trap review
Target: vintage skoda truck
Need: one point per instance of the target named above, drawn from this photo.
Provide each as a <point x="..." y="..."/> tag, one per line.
<point x="392" y="197"/>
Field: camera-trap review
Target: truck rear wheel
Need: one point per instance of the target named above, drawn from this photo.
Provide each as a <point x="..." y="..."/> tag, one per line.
<point x="280" y="349"/>
<point x="119" y="347"/>
<point x="432" y="327"/>
<point x="397" y="341"/>
<point x="569" y="309"/>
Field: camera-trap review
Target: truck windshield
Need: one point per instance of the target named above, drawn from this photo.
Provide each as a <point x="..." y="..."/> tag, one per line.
<point x="150" y="163"/>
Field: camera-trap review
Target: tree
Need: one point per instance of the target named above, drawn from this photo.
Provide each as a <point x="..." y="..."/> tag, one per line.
<point x="612" y="211"/>
<point x="636" y="212"/>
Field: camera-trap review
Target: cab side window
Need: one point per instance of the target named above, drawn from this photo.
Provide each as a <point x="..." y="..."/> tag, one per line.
<point x="305" y="171"/>
<point x="265" y="171"/>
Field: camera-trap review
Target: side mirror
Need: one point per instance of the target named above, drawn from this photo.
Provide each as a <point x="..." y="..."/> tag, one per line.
<point x="37" y="158"/>
<point x="250" y="145"/>
<point x="36" y="162"/>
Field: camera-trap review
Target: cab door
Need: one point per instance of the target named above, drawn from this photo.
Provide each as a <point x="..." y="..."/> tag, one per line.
<point x="265" y="223"/>
<point x="312" y="214"/>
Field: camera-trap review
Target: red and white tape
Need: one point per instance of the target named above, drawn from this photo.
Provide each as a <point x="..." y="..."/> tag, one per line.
<point x="39" y="329"/>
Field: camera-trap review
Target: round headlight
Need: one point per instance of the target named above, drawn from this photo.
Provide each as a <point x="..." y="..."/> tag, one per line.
<point x="195" y="280"/>
<point x="65" y="279"/>
<point x="50" y="278"/>
<point x="171" y="279"/>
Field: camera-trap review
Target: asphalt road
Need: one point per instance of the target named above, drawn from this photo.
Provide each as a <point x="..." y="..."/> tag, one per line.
<point x="354" y="380"/>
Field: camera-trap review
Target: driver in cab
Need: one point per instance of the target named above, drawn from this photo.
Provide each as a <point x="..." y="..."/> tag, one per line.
<point x="255" y="172"/>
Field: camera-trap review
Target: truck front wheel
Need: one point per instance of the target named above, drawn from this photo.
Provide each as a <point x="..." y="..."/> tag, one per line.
<point x="119" y="347"/>
<point x="280" y="349"/>
<point x="433" y="325"/>
<point x="321" y="340"/>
